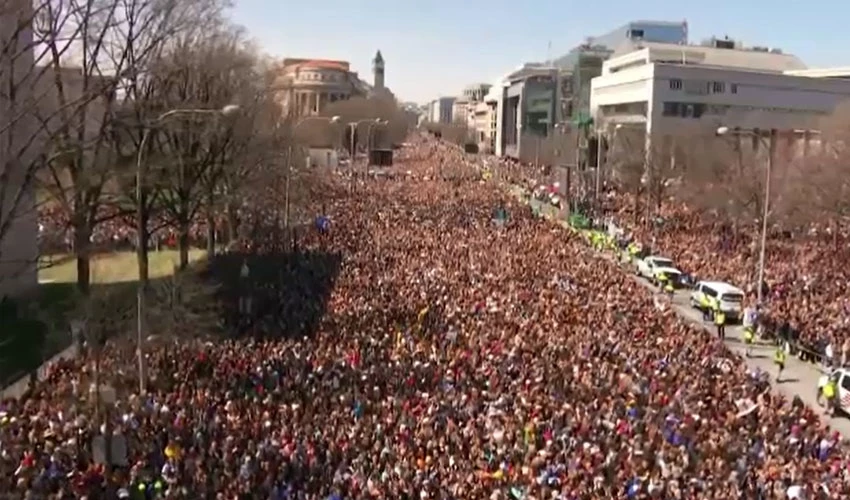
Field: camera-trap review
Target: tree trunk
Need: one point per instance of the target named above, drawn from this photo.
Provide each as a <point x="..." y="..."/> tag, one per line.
<point x="211" y="227"/>
<point x="232" y="223"/>
<point x="183" y="243"/>
<point x="211" y="241"/>
<point x="82" y="249"/>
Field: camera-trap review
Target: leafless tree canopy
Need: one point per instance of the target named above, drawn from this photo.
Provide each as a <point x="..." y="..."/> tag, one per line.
<point x="457" y="132"/>
<point x="363" y="109"/>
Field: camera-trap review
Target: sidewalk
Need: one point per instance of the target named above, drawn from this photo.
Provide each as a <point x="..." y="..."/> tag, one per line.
<point x="799" y="378"/>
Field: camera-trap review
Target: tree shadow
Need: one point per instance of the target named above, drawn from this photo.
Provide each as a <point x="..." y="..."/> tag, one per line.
<point x="288" y="292"/>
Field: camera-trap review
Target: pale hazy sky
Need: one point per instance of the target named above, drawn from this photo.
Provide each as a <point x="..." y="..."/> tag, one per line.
<point x="436" y="47"/>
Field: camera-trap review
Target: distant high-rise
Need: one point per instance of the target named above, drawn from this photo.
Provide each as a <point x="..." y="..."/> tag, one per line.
<point x="378" y="71"/>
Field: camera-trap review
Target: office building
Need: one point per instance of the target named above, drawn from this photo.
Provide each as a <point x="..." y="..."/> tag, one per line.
<point x="526" y="111"/>
<point x="440" y="110"/>
<point x="584" y="62"/>
<point x="666" y="88"/>
<point x="475" y="93"/>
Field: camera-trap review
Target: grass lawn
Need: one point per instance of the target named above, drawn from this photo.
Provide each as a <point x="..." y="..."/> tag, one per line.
<point x="118" y="267"/>
<point x="55" y="304"/>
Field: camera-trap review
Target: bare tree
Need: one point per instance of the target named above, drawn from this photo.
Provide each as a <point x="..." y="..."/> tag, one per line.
<point x="824" y="188"/>
<point x="185" y="78"/>
<point x="456" y="132"/>
<point x="728" y="177"/>
<point x="26" y="106"/>
<point x="383" y="107"/>
<point x="106" y="42"/>
<point x="248" y="147"/>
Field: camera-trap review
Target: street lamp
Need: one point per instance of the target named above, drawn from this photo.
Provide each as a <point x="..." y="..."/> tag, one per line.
<point x="302" y="121"/>
<point x="771" y="145"/>
<point x="141" y="223"/>
<point x="369" y="138"/>
<point x="352" y="129"/>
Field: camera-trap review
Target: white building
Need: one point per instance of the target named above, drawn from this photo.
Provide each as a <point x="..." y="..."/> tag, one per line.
<point x="669" y="88"/>
<point x="461" y="111"/>
<point x="440" y="110"/>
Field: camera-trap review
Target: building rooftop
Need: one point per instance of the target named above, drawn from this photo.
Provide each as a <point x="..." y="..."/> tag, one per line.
<point x="316" y="64"/>
<point x="842" y="72"/>
<point x="529" y="70"/>
<point x="753" y="60"/>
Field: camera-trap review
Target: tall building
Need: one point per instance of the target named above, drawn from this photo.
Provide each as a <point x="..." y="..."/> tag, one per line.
<point x="665" y="88"/>
<point x="441" y="110"/>
<point x="378" y="71"/>
<point x="305" y="87"/>
<point x="584" y="62"/>
<point x="475" y="93"/>
<point x="526" y="110"/>
<point x="18" y="127"/>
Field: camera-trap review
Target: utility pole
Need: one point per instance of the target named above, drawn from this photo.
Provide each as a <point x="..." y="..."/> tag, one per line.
<point x="598" y="169"/>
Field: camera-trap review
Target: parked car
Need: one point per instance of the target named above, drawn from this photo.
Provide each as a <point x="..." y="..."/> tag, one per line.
<point x="648" y="266"/>
<point x="728" y="297"/>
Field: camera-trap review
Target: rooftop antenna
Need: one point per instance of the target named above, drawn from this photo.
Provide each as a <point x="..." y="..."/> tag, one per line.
<point x="549" y="54"/>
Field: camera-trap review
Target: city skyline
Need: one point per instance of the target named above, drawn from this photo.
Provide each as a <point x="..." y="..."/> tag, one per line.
<point x="438" y="50"/>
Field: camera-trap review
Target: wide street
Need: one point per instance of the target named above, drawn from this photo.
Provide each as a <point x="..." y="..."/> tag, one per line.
<point x="799" y="378"/>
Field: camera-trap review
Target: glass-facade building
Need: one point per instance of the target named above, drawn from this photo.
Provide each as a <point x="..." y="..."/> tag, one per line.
<point x="585" y="61"/>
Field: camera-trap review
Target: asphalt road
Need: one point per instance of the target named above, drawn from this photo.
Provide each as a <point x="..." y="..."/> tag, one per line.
<point x="798" y="379"/>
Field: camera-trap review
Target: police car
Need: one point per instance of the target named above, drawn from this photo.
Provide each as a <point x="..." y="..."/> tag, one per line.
<point x="842" y="378"/>
<point x="649" y="267"/>
<point x="728" y="297"/>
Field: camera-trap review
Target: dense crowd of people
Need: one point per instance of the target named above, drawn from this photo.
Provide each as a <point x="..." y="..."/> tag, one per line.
<point x="457" y="356"/>
<point x="804" y="280"/>
<point x="114" y="231"/>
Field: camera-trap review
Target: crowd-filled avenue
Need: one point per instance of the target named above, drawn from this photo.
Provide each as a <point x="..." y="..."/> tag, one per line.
<point x="458" y="348"/>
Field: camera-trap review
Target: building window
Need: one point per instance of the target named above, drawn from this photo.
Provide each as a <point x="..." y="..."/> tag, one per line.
<point x="718" y="87"/>
<point x="683" y="109"/>
<point x="670" y="109"/>
<point x="733" y="88"/>
<point x="675" y="84"/>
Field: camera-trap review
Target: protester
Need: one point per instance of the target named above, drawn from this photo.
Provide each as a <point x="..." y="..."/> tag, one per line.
<point x="456" y="357"/>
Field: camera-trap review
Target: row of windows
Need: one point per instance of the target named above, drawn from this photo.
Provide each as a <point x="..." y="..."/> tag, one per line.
<point x="323" y="77"/>
<point x="698" y="109"/>
<point x="702" y="87"/>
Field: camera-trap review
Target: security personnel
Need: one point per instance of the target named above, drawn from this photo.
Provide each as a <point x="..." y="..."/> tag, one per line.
<point x="706" y="305"/>
<point x="749" y="337"/>
<point x="779" y="359"/>
<point x="669" y="288"/>
<point x="829" y="391"/>
<point x="720" y="321"/>
<point x="661" y="279"/>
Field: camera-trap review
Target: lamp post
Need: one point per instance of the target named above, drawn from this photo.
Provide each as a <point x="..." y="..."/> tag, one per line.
<point x="598" y="173"/>
<point x="288" y="184"/>
<point x="370" y="138"/>
<point x="771" y="146"/>
<point x="141" y="222"/>
<point x="352" y="128"/>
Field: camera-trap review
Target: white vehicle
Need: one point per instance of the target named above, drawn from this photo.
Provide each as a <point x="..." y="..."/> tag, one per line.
<point x="842" y="379"/>
<point x="648" y="266"/>
<point x="730" y="297"/>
